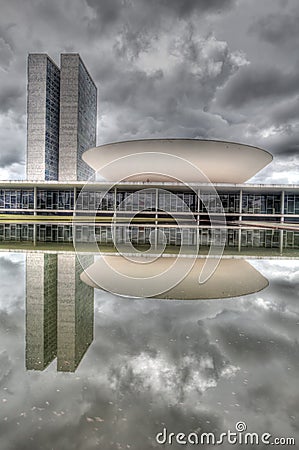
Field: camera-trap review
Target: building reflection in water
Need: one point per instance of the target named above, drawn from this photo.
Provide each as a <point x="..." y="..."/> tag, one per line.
<point x="59" y="311"/>
<point x="242" y="239"/>
<point x="60" y="297"/>
<point x="60" y="303"/>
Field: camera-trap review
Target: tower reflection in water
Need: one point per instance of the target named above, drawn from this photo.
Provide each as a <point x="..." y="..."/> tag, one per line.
<point x="59" y="311"/>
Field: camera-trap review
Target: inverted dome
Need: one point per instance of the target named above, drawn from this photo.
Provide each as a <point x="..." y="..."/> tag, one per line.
<point x="232" y="278"/>
<point x="187" y="160"/>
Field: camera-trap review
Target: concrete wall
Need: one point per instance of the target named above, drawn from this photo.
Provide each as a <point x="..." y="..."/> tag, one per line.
<point x="77" y="118"/>
<point x="41" y="310"/>
<point x="36" y="116"/>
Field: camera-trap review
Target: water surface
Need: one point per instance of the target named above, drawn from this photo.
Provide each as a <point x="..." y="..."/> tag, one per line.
<point x="151" y="364"/>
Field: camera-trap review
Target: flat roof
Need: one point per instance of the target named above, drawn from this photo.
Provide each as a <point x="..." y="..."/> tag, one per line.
<point x="258" y="187"/>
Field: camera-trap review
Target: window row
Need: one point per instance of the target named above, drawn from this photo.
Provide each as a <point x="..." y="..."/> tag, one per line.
<point x="144" y="199"/>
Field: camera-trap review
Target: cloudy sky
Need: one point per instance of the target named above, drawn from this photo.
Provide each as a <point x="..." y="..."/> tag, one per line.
<point x="223" y="69"/>
<point x="184" y="365"/>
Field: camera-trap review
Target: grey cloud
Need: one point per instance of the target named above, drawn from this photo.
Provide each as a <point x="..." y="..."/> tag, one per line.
<point x="9" y="96"/>
<point x="5" y="368"/>
<point x="111" y="37"/>
<point x="264" y="396"/>
<point x="244" y="339"/>
<point x="252" y="84"/>
<point x="11" y="155"/>
<point x="158" y="66"/>
<point x="286" y="143"/>
<point x="6" y="54"/>
<point x="110" y="12"/>
<point x="10" y="271"/>
<point x="183" y="7"/>
<point x="168" y="102"/>
<point x="177" y="375"/>
<point x="285" y="112"/>
<point x="6" y="35"/>
<point x="130" y="43"/>
<point x="277" y="29"/>
<point x="135" y="26"/>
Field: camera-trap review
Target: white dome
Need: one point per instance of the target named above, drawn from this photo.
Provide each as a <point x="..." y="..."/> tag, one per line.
<point x="187" y="160"/>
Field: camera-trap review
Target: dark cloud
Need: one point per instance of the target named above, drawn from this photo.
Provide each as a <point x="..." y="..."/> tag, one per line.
<point x="6" y="54"/>
<point x="163" y="69"/>
<point x="183" y="7"/>
<point x="11" y="269"/>
<point x="163" y="102"/>
<point x="9" y="96"/>
<point x="108" y="13"/>
<point x="286" y="144"/>
<point x="5" y="366"/>
<point x="286" y="112"/>
<point x="10" y="158"/>
<point x="12" y="152"/>
<point x="277" y="29"/>
<point x="251" y="343"/>
<point x="256" y="84"/>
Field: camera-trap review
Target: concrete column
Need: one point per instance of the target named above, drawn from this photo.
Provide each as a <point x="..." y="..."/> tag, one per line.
<point x="239" y="239"/>
<point x="75" y="197"/>
<point x="198" y="205"/>
<point x="281" y="241"/>
<point x="34" y="200"/>
<point x="34" y="234"/>
<point x="115" y="192"/>
<point x="156" y="237"/>
<point x="114" y="205"/>
<point x="240" y="205"/>
<point x="282" y="206"/>
<point x="156" y="206"/>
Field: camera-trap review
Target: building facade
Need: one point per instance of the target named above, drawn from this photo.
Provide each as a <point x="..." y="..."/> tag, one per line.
<point x="255" y="215"/>
<point x="78" y="115"/>
<point x="43" y="96"/>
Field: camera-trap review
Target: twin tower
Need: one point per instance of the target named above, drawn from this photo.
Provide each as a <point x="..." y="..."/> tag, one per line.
<point x="61" y="118"/>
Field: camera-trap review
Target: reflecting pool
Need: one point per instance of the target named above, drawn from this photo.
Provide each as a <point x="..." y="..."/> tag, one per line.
<point x="82" y="368"/>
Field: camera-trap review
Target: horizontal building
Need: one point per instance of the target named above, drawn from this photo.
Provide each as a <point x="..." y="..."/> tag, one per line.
<point x="278" y="203"/>
<point x="254" y="214"/>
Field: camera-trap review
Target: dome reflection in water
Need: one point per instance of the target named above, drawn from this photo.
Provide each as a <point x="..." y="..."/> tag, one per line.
<point x="157" y="279"/>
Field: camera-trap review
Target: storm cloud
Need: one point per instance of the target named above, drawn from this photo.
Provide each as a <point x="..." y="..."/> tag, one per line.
<point x="195" y="69"/>
<point x="278" y="29"/>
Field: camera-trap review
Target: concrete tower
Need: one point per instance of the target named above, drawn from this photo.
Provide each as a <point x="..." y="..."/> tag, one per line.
<point x="61" y="118"/>
<point x="43" y="94"/>
<point x="78" y="114"/>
